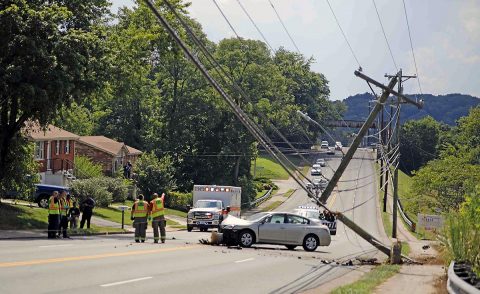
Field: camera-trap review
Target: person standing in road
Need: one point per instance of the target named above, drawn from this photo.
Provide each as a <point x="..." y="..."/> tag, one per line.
<point x="86" y="207"/>
<point x="65" y="204"/>
<point x="139" y="217"/>
<point x="53" y="215"/>
<point x="157" y="213"/>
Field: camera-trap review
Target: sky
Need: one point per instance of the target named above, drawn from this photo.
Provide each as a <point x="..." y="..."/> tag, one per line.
<point x="445" y="36"/>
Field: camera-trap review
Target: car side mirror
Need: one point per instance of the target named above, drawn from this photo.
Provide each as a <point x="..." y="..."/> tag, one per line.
<point x="189" y="207"/>
<point x="228" y="209"/>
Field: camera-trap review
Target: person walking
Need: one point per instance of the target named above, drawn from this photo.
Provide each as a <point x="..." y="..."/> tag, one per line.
<point x="139" y="217"/>
<point x="87" y="207"/>
<point x="65" y="204"/>
<point x="53" y="215"/>
<point x="157" y="213"/>
<point x="73" y="215"/>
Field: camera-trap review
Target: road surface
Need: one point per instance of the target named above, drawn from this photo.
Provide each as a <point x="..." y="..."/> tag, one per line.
<point x="113" y="264"/>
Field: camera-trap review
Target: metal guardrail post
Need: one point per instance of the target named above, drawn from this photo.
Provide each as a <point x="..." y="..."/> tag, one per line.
<point x="405" y="217"/>
<point x="455" y="285"/>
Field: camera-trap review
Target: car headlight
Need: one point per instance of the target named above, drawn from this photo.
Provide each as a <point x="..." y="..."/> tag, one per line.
<point x="190" y="215"/>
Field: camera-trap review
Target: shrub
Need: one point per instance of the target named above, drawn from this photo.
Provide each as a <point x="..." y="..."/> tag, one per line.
<point x="248" y="190"/>
<point x="116" y="186"/>
<point x="178" y="200"/>
<point x="81" y="189"/>
<point x="86" y="169"/>
<point x="154" y="174"/>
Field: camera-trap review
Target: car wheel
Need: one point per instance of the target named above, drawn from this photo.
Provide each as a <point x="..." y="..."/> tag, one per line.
<point x="246" y="238"/>
<point x="189" y="228"/>
<point x="290" y="247"/>
<point x="43" y="202"/>
<point x="310" y="242"/>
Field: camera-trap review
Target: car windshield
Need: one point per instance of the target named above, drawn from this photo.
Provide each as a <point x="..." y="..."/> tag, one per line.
<point x="316" y="166"/>
<point x="257" y="216"/>
<point x="208" y="204"/>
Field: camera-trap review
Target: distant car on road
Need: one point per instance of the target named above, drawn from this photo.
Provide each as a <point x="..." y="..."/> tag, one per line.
<point x="314" y="213"/>
<point x="280" y="228"/>
<point x="338" y="146"/>
<point x="316" y="170"/>
<point x="331" y="151"/>
<point x="324" y="145"/>
<point x="317" y="183"/>
<point x="321" y="162"/>
<point x="43" y="193"/>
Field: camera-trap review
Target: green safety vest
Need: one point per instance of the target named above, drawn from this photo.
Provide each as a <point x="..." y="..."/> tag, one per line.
<point x="53" y="208"/>
<point x="157" y="207"/>
<point x="140" y="209"/>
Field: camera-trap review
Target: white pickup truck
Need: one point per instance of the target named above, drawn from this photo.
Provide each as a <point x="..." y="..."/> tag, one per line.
<point x="211" y="205"/>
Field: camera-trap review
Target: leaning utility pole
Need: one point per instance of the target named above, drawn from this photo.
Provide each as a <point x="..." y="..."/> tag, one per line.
<point x="397" y="142"/>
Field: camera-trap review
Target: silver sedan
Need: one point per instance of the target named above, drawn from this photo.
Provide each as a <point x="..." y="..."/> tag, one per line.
<point x="281" y="228"/>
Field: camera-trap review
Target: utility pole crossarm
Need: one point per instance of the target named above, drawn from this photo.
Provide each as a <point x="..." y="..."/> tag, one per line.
<point x="361" y="75"/>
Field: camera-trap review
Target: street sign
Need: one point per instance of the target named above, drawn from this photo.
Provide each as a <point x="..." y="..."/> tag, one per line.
<point x="430" y="222"/>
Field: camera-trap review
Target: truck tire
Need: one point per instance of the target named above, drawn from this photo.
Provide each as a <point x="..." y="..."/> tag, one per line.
<point x="189" y="228"/>
<point x="246" y="238"/>
<point x="310" y="242"/>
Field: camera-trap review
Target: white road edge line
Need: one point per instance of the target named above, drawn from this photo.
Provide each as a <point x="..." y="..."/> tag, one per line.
<point x="57" y="245"/>
<point x="125" y="282"/>
<point x="244" y="260"/>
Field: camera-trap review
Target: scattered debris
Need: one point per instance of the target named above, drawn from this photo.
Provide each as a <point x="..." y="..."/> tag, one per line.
<point x="173" y="238"/>
<point x="238" y="247"/>
<point x="204" y="241"/>
<point x="299" y="257"/>
<point x="425" y="247"/>
<point x="348" y="263"/>
<point x="367" y="260"/>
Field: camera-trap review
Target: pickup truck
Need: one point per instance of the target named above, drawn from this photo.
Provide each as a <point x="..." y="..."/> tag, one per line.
<point x="43" y="193"/>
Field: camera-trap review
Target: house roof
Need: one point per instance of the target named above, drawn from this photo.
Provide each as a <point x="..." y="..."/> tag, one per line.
<point x="35" y="132"/>
<point x="103" y="143"/>
<point x="133" y="151"/>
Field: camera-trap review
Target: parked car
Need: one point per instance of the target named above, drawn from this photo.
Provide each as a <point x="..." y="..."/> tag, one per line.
<point x="321" y="162"/>
<point x="43" y="193"/>
<point x="280" y="228"/>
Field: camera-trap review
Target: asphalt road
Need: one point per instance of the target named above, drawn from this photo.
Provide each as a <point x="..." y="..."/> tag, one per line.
<point x="113" y="264"/>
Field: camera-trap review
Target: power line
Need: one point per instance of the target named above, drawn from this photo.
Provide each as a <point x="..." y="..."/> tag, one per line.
<point x="226" y="19"/>
<point x="255" y="25"/>
<point x="385" y="35"/>
<point x="411" y="47"/>
<point x="343" y="33"/>
<point x="284" y="27"/>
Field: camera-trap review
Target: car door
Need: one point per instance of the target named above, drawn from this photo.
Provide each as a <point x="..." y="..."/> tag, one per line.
<point x="295" y="228"/>
<point x="272" y="230"/>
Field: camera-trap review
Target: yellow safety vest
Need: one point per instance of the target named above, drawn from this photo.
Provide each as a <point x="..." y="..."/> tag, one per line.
<point x="53" y="208"/>
<point x="65" y="205"/>
<point x="140" y="209"/>
<point x="157" y="207"/>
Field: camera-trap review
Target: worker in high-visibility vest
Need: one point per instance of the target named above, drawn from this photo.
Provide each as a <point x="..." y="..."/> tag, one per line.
<point x="139" y="216"/>
<point x="65" y="205"/>
<point x="53" y="215"/>
<point x="157" y="214"/>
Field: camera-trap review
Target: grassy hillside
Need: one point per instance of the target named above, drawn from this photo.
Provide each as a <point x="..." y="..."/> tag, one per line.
<point x="268" y="168"/>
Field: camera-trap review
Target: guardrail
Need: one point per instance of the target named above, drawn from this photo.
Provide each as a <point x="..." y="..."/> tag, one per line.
<point x="457" y="285"/>
<point x="261" y="199"/>
<point x="406" y="219"/>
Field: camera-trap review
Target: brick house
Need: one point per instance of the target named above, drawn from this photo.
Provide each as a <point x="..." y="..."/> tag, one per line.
<point x="112" y="155"/>
<point x="55" y="153"/>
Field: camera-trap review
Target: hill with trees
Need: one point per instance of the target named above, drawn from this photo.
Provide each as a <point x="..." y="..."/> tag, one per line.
<point x="443" y="108"/>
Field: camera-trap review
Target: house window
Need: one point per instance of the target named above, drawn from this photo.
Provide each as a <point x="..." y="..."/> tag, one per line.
<point x="67" y="147"/>
<point x="57" y="147"/>
<point x="39" y="150"/>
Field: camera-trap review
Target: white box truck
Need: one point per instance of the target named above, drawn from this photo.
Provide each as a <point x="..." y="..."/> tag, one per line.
<point x="211" y="204"/>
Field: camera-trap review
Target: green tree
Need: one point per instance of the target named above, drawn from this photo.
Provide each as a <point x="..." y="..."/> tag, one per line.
<point x="49" y="53"/>
<point x="76" y="119"/>
<point x="154" y="175"/>
<point x="419" y="142"/>
<point x="86" y="169"/>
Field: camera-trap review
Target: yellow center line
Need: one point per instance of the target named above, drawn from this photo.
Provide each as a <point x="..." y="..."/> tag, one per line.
<point x="332" y="201"/>
<point x="89" y="257"/>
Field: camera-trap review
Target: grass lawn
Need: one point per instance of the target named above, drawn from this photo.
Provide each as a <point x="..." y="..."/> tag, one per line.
<point x="19" y="217"/>
<point x="269" y="168"/>
<point x="370" y="280"/>
<point x="115" y="215"/>
<point x="289" y="193"/>
<point x="260" y="193"/>
<point x="272" y="206"/>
